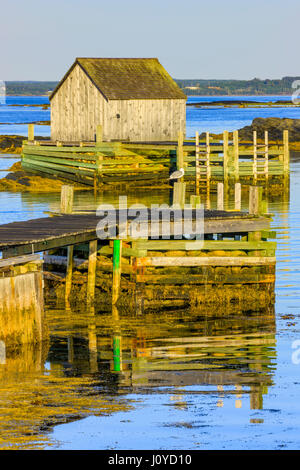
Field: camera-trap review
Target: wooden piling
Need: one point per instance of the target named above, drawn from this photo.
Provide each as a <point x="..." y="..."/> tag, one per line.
<point x="286" y="152"/>
<point x="266" y="164"/>
<point x="69" y="272"/>
<point x="195" y="201"/>
<point x="197" y="163"/>
<point x="117" y="256"/>
<point x="30" y="132"/>
<point x="220" y="196"/>
<point x="225" y="156"/>
<point x="179" y="193"/>
<point x="98" y="175"/>
<point x="117" y="353"/>
<point x="208" y="169"/>
<point x="254" y="157"/>
<point x="236" y="155"/>
<point x="255" y="200"/>
<point x="91" y="282"/>
<point x="179" y="154"/>
<point x="237" y="196"/>
<point x="66" y="199"/>
<point x="66" y="207"/>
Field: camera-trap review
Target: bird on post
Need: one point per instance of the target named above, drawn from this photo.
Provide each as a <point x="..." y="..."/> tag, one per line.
<point x="176" y="175"/>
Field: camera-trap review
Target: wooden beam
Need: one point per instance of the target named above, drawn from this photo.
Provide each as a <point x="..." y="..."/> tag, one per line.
<point x="207" y="261"/>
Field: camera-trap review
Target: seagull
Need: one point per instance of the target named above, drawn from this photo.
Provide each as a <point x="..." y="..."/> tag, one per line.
<point x="176" y="175"/>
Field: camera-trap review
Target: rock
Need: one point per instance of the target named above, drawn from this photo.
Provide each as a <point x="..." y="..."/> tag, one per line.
<point x="275" y="127"/>
<point x="13" y="143"/>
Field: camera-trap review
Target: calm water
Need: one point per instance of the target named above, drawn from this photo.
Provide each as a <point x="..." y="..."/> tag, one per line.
<point x="205" y="119"/>
<point x="13" y="118"/>
<point x="183" y="379"/>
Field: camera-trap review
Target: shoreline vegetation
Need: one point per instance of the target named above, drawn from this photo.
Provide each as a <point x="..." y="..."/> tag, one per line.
<point x="193" y="87"/>
<point x="243" y="104"/>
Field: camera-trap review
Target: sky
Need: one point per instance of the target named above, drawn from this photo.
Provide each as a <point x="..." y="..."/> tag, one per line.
<point x="221" y="39"/>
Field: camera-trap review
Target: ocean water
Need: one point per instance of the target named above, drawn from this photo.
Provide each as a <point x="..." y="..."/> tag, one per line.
<point x="15" y="116"/>
<point x="210" y="119"/>
<point x="183" y="379"/>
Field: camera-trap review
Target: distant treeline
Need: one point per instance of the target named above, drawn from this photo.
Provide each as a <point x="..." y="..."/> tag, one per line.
<point x="256" y="86"/>
<point x="29" y="88"/>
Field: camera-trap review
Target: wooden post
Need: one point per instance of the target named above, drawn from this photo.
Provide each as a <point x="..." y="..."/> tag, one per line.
<point x="254" y="157"/>
<point x="179" y="155"/>
<point x="30" y="132"/>
<point x="117" y="257"/>
<point x="66" y="207"/>
<point x="69" y="273"/>
<point x="117" y="353"/>
<point x="99" y="134"/>
<point x="237" y="196"/>
<point x="236" y="155"/>
<point x="98" y="172"/>
<point x="208" y="169"/>
<point x="220" y="197"/>
<point x="195" y="201"/>
<point x="266" y="164"/>
<point x="255" y="200"/>
<point x="179" y="193"/>
<point x="66" y="199"/>
<point x="286" y="152"/>
<point x="91" y="282"/>
<point x="225" y="156"/>
<point x="197" y="163"/>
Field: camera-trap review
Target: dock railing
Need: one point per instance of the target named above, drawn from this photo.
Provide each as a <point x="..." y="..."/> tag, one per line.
<point x="205" y="161"/>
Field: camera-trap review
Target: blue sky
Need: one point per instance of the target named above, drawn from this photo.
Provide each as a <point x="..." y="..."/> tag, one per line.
<point x="191" y="38"/>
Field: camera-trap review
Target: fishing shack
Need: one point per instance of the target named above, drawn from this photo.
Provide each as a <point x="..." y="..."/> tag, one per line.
<point x="132" y="99"/>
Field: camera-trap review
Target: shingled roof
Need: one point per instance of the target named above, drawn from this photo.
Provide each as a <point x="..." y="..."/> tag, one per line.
<point x="128" y="79"/>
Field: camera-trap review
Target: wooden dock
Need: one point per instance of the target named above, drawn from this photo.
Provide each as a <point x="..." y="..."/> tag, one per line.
<point x="233" y="249"/>
<point x="206" y="162"/>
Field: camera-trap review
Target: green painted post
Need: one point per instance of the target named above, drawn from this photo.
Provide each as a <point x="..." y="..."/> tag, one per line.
<point x="117" y="353"/>
<point x="117" y="254"/>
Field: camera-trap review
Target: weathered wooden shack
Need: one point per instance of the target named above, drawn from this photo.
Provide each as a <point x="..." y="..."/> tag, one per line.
<point x="133" y="99"/>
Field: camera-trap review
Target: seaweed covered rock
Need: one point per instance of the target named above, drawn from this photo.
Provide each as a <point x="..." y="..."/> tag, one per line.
<point x="275" y="127"/>
<point x="13" y="143"/>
